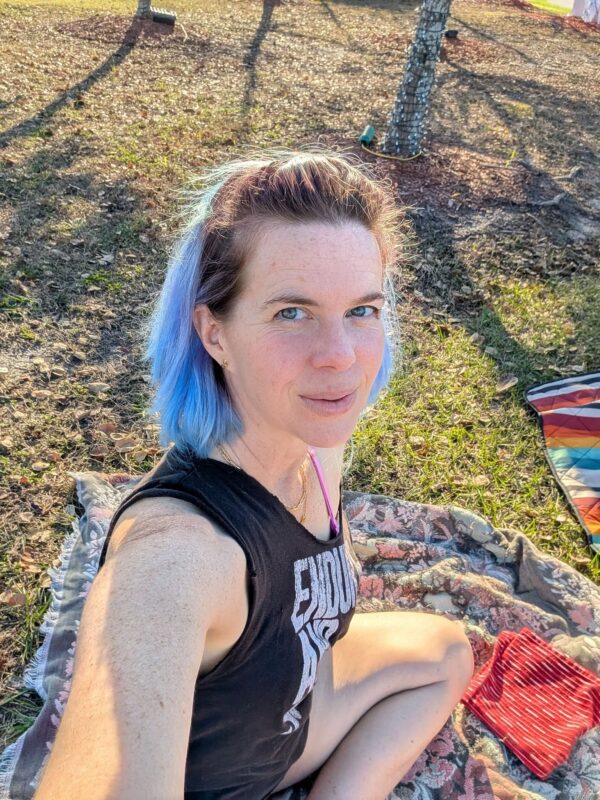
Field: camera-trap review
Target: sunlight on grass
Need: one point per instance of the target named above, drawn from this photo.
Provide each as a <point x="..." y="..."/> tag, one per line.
<point x="552" y="8"/>
<point x="125" y="7"/>
<point x="444" y="435"/>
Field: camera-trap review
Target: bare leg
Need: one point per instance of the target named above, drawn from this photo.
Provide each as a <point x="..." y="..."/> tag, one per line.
<point x="382" y="746"/>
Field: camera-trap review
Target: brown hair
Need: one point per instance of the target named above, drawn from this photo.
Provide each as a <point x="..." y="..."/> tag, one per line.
<point x="238" y="201"/>
<point x="293" y="186"/>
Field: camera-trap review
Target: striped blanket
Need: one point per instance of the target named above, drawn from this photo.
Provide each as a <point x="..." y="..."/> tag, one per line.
<point x="569" y="414"/>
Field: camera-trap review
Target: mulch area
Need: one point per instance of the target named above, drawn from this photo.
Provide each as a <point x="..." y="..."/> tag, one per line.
<point x="123" y="30"/>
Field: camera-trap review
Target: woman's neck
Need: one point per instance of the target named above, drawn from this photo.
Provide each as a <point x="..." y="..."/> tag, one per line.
<point x="279" y="468"/>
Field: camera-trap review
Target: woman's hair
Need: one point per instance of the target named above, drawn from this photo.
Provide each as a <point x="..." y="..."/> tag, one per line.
<point x="224" y="216"/>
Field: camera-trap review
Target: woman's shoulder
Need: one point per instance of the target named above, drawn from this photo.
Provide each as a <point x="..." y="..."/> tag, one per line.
<point x="159" y="515"/>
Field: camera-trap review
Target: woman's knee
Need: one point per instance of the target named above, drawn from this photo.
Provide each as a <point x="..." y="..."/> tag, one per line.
<point x="458" y="656"/>
<point x="443" y="645"/>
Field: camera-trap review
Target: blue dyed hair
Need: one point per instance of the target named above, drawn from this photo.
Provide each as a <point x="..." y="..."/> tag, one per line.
<point x="223" y="217"/>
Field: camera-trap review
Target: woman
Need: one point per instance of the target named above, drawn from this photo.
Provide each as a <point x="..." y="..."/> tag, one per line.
<point x="219" y="655"/>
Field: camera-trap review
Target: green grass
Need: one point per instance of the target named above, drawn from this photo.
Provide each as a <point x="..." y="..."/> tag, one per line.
<point x="552" y="8"/>
<point x="442" y="429"/>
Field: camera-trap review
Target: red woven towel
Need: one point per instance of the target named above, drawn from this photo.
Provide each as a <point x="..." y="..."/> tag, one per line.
<point x="535" y="698"/>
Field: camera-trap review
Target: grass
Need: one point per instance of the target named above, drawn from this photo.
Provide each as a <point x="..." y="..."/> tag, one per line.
<point x="97" y="139"/>
<point x="551" y="8"/>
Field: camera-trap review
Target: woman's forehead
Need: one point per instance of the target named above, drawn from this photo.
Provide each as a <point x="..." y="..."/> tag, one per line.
<point x="321" y="256"/>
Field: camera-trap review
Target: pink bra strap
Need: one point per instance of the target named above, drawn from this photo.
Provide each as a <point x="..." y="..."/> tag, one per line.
<point x="333" y="522"/>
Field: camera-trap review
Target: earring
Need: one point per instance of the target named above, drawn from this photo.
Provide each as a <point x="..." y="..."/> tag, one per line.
<point x="224" y="363"/>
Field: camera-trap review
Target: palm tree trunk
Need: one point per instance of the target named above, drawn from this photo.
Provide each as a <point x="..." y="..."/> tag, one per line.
<point x="406" y="124"/>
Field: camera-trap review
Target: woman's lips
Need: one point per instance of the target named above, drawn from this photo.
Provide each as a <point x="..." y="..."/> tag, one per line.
<point x="330" y="407"/>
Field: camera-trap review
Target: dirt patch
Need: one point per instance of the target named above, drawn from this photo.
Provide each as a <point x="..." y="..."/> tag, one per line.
<point x="453" y="183"/>
<point x="462" y="48"/>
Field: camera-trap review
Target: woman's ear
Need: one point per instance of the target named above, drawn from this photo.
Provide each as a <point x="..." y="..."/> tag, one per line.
<point x="210" y="332"/>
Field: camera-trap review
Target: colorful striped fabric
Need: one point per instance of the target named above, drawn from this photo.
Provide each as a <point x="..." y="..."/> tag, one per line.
<point x="569" y="413"/>
<point x="537" y="700"/>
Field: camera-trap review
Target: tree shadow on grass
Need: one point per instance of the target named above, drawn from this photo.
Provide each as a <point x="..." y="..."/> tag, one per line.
<point x="46" y="274"/>
<point x="251" y="56"/>
<point x="73" y="93"/>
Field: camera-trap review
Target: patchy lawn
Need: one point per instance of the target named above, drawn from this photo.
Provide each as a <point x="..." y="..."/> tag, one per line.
<point x="104" y="119"/>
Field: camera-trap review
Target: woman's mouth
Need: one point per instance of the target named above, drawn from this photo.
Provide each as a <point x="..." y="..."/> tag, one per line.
<point x="330" y="407"/>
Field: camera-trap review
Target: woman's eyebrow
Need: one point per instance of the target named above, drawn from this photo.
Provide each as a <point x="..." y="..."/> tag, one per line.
<point x="294" y="299"/>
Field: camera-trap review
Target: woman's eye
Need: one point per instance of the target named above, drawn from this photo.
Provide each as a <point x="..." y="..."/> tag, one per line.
<point x="374" y="311"/>
<point x="284" y="313"/>
<point x="292" y="313"/>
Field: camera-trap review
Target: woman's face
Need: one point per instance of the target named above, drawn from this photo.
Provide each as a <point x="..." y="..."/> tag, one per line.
<point x="305" y="331"/>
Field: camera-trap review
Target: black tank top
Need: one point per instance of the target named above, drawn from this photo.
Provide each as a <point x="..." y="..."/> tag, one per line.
<point x="251" y="711"/>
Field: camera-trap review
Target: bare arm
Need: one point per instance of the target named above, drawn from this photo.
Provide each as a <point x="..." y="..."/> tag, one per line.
<point x="126" y="724"/>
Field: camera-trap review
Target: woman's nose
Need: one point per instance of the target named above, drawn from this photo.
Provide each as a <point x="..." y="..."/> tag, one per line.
<point x="334" y="347"/>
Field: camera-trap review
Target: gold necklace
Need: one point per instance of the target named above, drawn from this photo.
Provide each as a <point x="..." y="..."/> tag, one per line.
<point x="303" y="472"/>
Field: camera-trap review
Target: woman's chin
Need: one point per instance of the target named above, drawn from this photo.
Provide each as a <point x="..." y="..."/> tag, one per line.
<point x="329" y="434"/>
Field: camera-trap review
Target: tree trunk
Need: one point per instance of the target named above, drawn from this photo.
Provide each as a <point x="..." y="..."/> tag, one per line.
<point x="143" y="9"/>
<point x="406" y="124"/>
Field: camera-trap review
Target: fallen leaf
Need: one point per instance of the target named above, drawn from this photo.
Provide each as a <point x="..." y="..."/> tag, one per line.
<point x="480" y="480"/>
<point x="116" y="436"/>
<point x="13" y="598"/>
<point x="41" y="394"/>
<point x="107" y="427"/>
<point x="40" y="536"/>
<point x="29" y="563"/>
<point x="580" y="559"/>
<point x="506" y="383"/>
<point x="97" y="387"/>
<point x="124" y="445"/>
<point x="39" y="466"/>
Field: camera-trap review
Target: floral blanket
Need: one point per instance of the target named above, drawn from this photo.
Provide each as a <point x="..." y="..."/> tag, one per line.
<point x="414" y="556"/>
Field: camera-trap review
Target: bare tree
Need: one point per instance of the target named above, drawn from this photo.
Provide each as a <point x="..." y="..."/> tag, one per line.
<point x="406" y="124"/>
